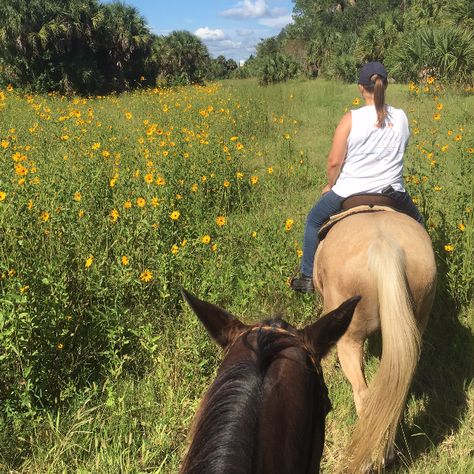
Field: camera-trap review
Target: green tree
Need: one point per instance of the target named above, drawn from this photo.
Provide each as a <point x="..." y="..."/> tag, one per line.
<point x="73" y="45"/>
<point x="122" y="41"/>
<point x="377" y="36"/>
<point x="183" y="58"/>
<point x="446" y="52"/>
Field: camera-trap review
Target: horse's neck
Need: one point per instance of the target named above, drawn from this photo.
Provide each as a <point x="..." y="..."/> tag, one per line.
<point x="290" y="434"/>
<point x="227" y="425"/>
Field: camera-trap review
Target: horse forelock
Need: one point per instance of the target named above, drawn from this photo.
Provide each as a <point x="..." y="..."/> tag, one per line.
<point x="225" y="430"/>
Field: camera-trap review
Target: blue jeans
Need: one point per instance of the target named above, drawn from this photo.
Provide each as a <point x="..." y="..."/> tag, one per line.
<point x="329" y="204"/>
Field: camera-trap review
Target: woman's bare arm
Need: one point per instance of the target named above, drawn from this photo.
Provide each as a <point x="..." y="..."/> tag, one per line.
<point x="338" y="150"/>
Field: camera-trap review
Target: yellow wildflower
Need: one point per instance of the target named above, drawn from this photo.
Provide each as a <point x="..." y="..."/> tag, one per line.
<point x="89" y="261"/>
<point x="44" y="216"/>
<point x="124" y="260"/>
<point x="289" y="224"/>
<point x="146" y="275"/>
<point x="205" y="239"/>
<point x="461" y="227"/>
<point x="77" y="196"/>
<point x="449" y="247"/>
<point x="174" y="249"/>
<point x="220" y="221"/>
<point x="141" y="202"/>
<point x="3" y="195"/>
<point x="175" y="215"/>
<point x="114" y="215"/>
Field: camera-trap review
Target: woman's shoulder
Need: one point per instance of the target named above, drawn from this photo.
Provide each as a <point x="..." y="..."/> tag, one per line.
<point x="397" y="113"/>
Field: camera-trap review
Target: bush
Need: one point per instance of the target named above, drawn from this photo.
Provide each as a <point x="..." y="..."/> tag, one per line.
<point x="277" y="68"/>
<point x="447" y="53"/>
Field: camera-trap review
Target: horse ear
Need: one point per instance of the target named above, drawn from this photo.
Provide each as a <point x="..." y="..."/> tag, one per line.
<point x="327" y="330"/>
<point x="218" y="322"/>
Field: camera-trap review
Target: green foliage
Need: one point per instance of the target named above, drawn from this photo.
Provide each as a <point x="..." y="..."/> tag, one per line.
<point x="89" y="47"/>
<point x="447" y="53"/>
<point x="221" y="68"/>
<point x="72" y="45"/>
<point x="412" y="37"/>
<point x="277" y="68"/>
<point x="183" y="59"/>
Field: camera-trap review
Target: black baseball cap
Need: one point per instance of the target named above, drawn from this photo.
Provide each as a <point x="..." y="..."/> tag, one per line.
<point x="368" y="70"/>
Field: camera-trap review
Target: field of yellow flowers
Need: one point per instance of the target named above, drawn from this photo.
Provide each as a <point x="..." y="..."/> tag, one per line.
<point x="108" y="205"/>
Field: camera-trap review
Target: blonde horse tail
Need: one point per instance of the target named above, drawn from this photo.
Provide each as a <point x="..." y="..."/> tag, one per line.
<point x="382" y="409"/>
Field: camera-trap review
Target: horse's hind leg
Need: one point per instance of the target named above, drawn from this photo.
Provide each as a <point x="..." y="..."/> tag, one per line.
<point x="350" y="353"/>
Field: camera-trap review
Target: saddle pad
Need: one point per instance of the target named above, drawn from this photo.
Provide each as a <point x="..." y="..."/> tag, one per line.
<point x="326" y="227"/>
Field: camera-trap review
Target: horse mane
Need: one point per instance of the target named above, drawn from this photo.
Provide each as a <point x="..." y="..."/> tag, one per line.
<point x="226" y="427"/>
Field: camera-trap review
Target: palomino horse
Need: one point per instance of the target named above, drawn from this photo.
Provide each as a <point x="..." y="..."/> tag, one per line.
<point x="266" y="409"/>
<point x="387" y="258"/>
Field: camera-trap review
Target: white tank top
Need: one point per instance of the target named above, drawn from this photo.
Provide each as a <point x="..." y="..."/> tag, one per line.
<point x="374" y="158"/>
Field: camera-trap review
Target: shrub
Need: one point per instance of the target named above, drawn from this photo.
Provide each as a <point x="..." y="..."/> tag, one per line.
<point x="277" y="68"/>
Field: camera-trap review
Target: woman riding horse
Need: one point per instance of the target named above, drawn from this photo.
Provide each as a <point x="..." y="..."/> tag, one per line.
<point x="366" y="157"/>
<point x="381" y="254"/>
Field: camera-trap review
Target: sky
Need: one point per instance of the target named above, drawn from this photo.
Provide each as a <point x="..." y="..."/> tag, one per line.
<point x="228" y="27"/>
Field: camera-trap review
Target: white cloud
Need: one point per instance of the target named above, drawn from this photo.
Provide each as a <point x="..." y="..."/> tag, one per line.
<point x="244" y="32"/>
<point x="206" y="34"/>
<point x="248" y="9"/>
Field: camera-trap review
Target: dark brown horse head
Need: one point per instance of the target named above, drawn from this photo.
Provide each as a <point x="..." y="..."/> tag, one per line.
<point x="265" y="411"/>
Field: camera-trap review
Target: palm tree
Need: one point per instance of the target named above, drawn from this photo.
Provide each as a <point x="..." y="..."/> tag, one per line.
<point x="184" y="58"/>
<point x="122" y="40"/>
<point x="377" y="37"/>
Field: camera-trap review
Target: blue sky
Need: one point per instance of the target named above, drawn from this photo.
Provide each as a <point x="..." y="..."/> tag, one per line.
<point x="228" y="27"/>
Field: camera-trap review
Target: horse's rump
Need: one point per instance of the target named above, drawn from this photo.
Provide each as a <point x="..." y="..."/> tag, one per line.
<point x="387" y="258"/>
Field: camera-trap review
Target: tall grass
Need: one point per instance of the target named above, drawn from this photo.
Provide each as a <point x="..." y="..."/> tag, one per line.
<point x="109" y="204"/>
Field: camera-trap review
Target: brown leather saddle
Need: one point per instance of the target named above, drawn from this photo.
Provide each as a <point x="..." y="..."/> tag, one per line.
<point x="357" y="204"/>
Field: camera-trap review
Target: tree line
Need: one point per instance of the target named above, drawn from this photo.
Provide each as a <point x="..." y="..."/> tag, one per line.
<point x="88" y="47"/>
<point x="414" y="38"/>
<point x="84" y="46"/>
